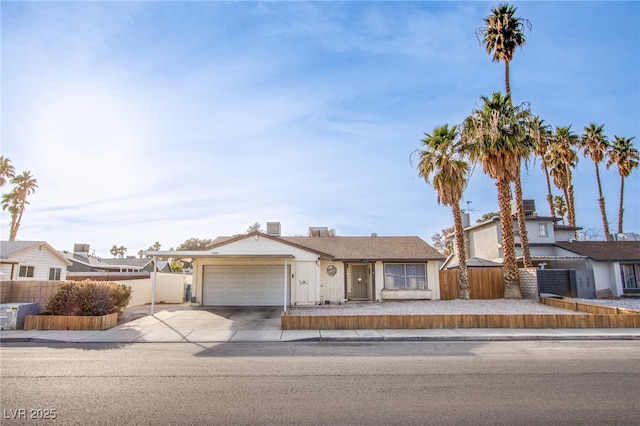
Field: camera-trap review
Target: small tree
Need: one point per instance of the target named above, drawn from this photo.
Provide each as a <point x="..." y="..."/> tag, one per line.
<point x="256" y="227"/>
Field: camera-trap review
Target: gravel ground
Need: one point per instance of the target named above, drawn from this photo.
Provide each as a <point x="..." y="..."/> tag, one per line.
<point x="129" y="316"/>
<point x="618" y="303"/>
<point x="434" y="307"/>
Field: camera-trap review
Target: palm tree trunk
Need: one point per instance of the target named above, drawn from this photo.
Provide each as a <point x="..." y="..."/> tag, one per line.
<point x="572" y="208"/>
<point x="506" y="81"/>
<point x="511" y="274"/>
<point x="603" y="211"/>
<point x="15" y="224"/>
<point x="549" y="195"/>
<point x="463" y="282"/>
<point x="522" y="226"/>
<point x="620" y="209"/>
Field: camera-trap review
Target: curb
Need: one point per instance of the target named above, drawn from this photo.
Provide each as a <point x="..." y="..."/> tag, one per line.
<point x="354" y="339"/>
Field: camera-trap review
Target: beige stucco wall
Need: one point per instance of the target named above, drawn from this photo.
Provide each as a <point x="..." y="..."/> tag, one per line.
<point x="483" y="242"/>
<point x="170" y="288"/>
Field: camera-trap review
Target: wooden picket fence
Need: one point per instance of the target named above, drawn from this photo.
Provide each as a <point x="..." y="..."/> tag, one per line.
<point x="484" y="283"/>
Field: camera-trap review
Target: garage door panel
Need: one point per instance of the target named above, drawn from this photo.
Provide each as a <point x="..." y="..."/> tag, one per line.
<point x="243" y="285"/>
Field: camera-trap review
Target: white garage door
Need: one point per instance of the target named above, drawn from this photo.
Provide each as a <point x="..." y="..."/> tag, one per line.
<point x="243" y="285"/>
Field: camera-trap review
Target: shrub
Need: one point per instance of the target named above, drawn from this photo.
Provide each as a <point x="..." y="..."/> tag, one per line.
<point x="89" y="298"/>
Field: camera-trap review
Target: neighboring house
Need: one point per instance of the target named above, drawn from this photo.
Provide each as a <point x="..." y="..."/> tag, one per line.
<point x="32" y="261"/>
<point x="615" y="264"/>
<point x="83" y="261"/>
<point x="259" y="269"/>
<point x="484" y="240"/>
<point x="136" y="264"/>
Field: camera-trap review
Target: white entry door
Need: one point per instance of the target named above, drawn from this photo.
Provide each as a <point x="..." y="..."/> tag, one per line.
<point x="244" y="285"/>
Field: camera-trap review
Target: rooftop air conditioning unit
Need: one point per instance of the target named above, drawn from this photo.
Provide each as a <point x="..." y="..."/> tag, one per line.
<point x="318" y="231"/>
<point x="273" y="229"/>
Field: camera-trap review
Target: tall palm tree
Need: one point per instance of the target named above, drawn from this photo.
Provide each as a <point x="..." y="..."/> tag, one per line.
<point x="502" y="33"/>
<point x="541" y="135"/>
<point x="15" y="201"/>
<point x="443" y="159"/>
<point x="594" y="144"/>
<point x="490" y="138"/>
<point x="561" y="158"/>
<point x="524" y="145"/>
<point x="7" y="172"/>
<point x="625" y="156"/>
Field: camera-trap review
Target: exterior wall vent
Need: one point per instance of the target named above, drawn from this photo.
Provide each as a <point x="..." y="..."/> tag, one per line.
<point x="273" y="229"/>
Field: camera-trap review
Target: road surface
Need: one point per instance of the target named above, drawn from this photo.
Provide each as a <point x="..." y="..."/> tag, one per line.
<point x="369" y="383"/>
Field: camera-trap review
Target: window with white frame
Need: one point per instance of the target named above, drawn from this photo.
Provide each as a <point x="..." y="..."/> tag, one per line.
<point x="405" y="276"/>
<point x="542" y="230"/>
<point x="26" y="271"/>
<point x="54" y="274"/>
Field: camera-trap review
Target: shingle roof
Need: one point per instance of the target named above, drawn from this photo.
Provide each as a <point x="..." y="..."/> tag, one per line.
<point x="358" y="248"/>
<point x="370" y="248"/>
<point x="605" y="250"/>
<point x="9" y="247"/>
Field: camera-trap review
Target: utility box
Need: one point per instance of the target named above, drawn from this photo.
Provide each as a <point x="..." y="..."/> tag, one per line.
<point x="12" y="314"/>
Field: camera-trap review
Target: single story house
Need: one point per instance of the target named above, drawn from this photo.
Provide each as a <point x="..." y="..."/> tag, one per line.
<point x="31" y="261"/>
<point x="615" y="264"/>
<point x="260" y="269"/>
<point x="83" y="261"/>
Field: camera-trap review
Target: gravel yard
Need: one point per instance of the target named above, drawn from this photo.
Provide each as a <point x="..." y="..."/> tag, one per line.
<point x="618" y="303"/>
<point x="434" y="307"/>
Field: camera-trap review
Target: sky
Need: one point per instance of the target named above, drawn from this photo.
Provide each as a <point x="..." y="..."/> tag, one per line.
<point x="163" y="121"/>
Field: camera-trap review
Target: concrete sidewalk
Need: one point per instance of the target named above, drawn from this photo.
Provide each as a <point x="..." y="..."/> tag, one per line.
<point x="201" y="326"/>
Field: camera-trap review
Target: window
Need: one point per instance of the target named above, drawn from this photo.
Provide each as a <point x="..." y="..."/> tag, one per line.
<point x="54" y="274"/>
<point x="542" y="230"/>
<point x="26" y="271"/>
<point x="405" y="276"/>
<point x="630" y="276"/>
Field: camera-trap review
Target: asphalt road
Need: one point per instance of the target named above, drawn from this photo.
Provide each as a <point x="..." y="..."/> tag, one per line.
<point x="375" y="383"/>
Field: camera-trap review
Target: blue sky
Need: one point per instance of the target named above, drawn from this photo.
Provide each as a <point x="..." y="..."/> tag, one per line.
<point x="163" y="121"/>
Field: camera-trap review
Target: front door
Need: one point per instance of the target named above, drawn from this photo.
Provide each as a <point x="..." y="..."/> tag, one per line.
<point x="360" y="282"/>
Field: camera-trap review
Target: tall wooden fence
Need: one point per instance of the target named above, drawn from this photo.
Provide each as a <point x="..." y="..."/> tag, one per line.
<point x="484" y="283"/>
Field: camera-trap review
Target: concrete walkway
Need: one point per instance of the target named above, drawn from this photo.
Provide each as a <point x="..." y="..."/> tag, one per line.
<point x="202" y="326"/>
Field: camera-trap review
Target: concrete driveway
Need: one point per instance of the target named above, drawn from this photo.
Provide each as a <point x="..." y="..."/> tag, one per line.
<point x="245" y="318"/>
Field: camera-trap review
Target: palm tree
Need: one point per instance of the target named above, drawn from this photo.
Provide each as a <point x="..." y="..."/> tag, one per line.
<point x="15" y="201"/>
<point x="560" y="206"/>
<point x="7" y="172"/>
<point x="523" y="147"/>
<point x="626" y="157"/>
<point x="561" y="158"/>
<point x="442" y="157"/>
<point x="541" y="135"/>
<point x="594" y="144"/>
<point x="491" y="139"/>
<point x="501" y="34"/>
<point x="118" y="251"/>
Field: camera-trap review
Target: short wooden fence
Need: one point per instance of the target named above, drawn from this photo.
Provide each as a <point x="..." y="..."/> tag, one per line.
<point x="484" y="283"/>
<point x="593" y="316"/>
<point x="64" y="322"/>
